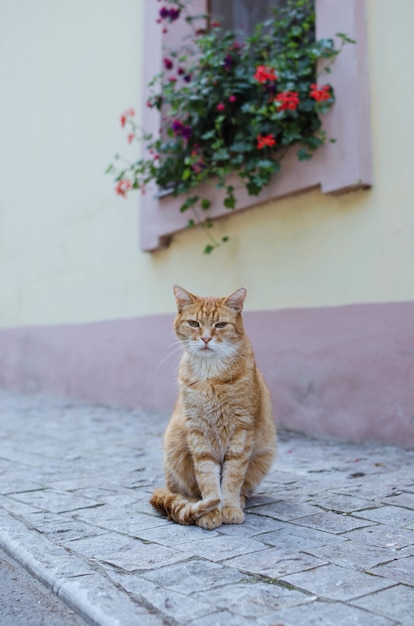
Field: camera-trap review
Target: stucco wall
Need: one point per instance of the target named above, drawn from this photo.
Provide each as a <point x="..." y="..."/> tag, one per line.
<point x="68" y="244"/>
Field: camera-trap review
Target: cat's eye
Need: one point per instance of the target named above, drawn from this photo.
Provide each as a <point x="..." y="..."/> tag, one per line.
<point x="220" y="324"/>
<point x="193" y="323"/>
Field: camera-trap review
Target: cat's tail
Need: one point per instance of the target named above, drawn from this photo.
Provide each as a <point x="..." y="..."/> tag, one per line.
<point x="179" y="508"/>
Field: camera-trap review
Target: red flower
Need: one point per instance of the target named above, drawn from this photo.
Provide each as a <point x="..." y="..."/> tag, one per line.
<point x="264" y="73"/>
<point x="126" y="115"/>
<point x="123" y="186"/>
<point x="220" y="106"/>
<point x="287" y="100"/>
<point x="265" y="140"/>
<point x="131" y="137"/>
<point x="168" y="63"/>
<point x="320" y="93"/>
<point x="215" y="24"/>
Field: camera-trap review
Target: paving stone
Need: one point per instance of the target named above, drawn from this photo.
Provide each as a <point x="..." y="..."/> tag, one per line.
<point x="273" y="564"/>
<point x="285" y="511"/>
<point x="325" y="614"/>
<point x="393" y="515"/>
<point x="401" y="570"/>
<point x="194" y="575"/>
<point x="396" y="603"/>
<point x="338" y="583"/>
<point x="221" y="547"/>
<point x="169" y="534"/>
<point x="125" y="553"/>
<point x="357" y="556"/>
<point x="293" y="538"/>
<point x="335" y="523"/>
<point x="222" y="618"/>
<point x="62" y="529"/>
<point x="385" y="536"/>
<point x="252" y="526"/>
<point x="54" y="501"/>
<point x="405" y="499"/>
<point x="342" y="503"/>
<point x="255" y="600"/>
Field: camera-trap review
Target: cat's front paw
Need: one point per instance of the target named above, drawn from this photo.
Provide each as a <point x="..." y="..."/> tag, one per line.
<point x="210" y="520"/>
<point x="232" y="515"/>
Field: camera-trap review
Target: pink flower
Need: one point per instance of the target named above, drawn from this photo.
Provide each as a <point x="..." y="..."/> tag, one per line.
<point x="131" y="137"/>
<point x="232" y="99"/>
<point x="123" y="186"/>
<point x="220" y="106"/>
<point x="124" y="117"/>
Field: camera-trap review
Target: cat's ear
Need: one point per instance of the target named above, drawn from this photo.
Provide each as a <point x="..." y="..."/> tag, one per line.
<point x="183" y="298"/>
<point x="236" y="300"/>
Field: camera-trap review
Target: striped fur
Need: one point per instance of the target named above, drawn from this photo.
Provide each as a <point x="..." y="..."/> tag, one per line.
<point x="221" y="439"/>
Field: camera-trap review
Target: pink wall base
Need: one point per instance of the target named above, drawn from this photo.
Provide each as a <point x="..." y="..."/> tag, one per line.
<point x="346" y="372"/>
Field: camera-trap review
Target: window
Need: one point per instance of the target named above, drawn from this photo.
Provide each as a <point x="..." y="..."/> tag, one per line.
<point x="335" y="168"/>
<point x="242" y="15"/>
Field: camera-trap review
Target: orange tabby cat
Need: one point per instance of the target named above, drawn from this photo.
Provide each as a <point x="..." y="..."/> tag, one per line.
<point x="221" y="439"/>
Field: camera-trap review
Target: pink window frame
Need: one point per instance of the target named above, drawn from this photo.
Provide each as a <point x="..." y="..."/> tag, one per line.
<point x="335" y="168"/>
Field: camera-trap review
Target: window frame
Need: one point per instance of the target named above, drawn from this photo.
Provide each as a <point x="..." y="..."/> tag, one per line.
<point x="335" y="168"/>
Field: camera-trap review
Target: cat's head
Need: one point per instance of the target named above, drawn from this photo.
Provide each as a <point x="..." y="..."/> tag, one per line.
<point x="209" y="327"/>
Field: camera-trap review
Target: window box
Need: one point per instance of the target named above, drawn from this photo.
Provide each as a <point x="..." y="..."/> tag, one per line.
<point x="335" y="167"/>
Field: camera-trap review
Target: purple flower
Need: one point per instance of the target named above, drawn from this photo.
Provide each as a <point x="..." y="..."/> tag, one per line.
<point x="181" y="130"/>
<point x="169" y="14"/>
<point x="174" y="14"/>
<point x="228" y="62"/>
<point x="168" y="64"/>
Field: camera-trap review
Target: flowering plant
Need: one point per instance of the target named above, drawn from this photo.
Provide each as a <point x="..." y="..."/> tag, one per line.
<point x="230" y="105"/>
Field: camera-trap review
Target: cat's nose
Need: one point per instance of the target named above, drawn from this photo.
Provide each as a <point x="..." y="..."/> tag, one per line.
<point x="206" y="339"/>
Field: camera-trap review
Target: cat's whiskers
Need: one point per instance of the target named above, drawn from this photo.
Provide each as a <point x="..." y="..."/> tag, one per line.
<point x="175" y="349"/>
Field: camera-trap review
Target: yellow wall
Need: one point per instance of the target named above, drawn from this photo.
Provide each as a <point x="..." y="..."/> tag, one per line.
<point x="68" y="244"/>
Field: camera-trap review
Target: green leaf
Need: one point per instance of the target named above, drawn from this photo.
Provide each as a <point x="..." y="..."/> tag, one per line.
<point x="208" y="249"/>
<point x="205" y="204"/>
<point x="303" y="155"/>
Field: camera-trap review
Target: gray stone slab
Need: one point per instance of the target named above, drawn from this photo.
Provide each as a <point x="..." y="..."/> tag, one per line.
<point x="252" y="526"/>
<point x="382" y="535"/>
<point x="401" y="569"/>
<point x="337" y="583"/>
<point x="325" y="614"/>
<point x="194" y="575"/>
<point x="61" y="529"/>
<point x="221" y="547"/>
<point x="292" y="539"/>
<point x="285" y="511"/>
<point x="222" y="618"/>
<point x="355" y="555"/>
<point x="125" y="553"/>
<point x="54" y="501"/>
<point x="256" y="600"/>
<point x="170" y="534"/>
<point x="123" y="520"/>
<point x="405" y="499"/>
<point x="329" y="522"/>
<point x="394" y="515"/>
<point x="273" y="564"/>
<point x="342" y="503"/>
<point x="396" y="603"/>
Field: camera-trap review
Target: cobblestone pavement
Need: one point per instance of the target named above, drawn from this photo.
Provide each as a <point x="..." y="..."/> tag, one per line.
<point x="328" y="539"/>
